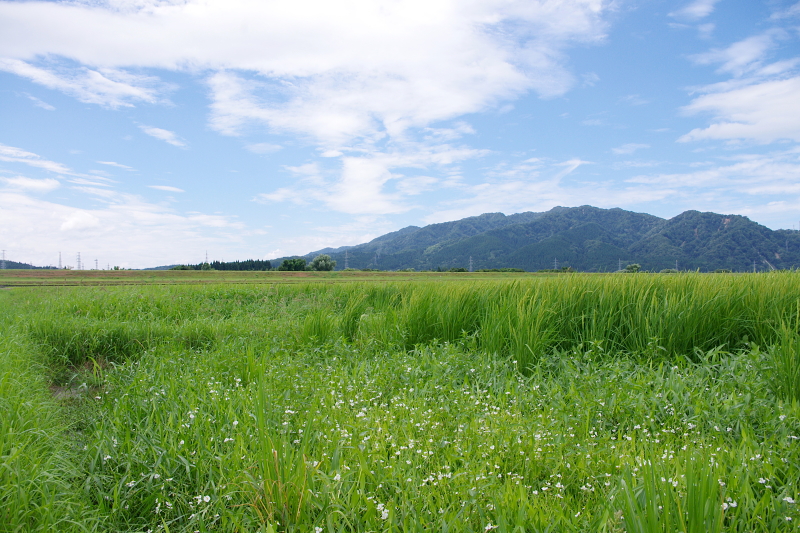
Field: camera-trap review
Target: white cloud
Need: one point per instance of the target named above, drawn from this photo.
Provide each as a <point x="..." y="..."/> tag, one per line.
<point x="167" y="136"/>
<point x="79" y="220"/>
<point x="263" y="148"/>
<point x="634" y="100"/>
<point x="322" y="73"/>
<point x="696" y="10"/>
<point x="416" y="185"/>
<point x="11" y="154"/>
<point x="749" y="174"/>
<point x="117" y="165"/>
<point x="166" y="188"/>
<point x="31" y="184"/>
<point x="284" y="194"/>
<point x="106" y="86"/>
<point x="343" y="75"/>
<point x="124" y="231"/>
<point x="740" y="57"/>
<point x="629" y="148"/>
<point x="764" y="112"/>
<point x="40" y="103"/>
<point x="362" y="182"/>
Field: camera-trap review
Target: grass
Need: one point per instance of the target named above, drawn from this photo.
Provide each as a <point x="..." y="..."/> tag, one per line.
<point x="568" y="403"/>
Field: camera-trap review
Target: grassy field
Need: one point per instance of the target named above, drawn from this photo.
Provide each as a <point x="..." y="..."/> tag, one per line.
<point x="108" y="278"/>
<point x="636" y="403"/>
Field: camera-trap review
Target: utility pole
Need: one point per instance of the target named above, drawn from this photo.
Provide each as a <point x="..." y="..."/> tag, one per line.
<point x="754" y="266"/>
<point x="619" y="264"/>
<point x="470" y="263"/>
<point x="676" y="264"/>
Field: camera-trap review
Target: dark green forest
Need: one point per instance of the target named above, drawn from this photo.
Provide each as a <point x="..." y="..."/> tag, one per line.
<point x="583" y="238"/>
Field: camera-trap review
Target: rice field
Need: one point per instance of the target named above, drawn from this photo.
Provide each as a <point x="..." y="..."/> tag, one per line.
<point x="616" y="403"/>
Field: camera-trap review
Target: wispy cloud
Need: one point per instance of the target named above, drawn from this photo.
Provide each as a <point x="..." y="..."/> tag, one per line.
<point x="106" y="87"/>
<point x="696" y="10"/>
<point x="31" y="184"/>
<point x="40" y="103"/>
<point x="764" y="112"/>
<point x="166" y="188"/>
<point x="169" y="137"/>
<point x="263" y="148"/>
<point x="17" y="155"/>
<point x="741" y="57"/>
<point x="117" y="165"/>
<point x="629" y="148"/>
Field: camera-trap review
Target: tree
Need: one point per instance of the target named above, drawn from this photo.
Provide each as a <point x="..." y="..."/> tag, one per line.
<point x="633" y="267"/>
<point x="322" y="262"/>
<point x="298" y="263"/>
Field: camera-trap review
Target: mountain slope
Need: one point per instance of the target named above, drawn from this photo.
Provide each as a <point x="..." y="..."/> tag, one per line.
<point x="586" y="238"/>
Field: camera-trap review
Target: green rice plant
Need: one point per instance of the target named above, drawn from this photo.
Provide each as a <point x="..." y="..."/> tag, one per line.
<point x="318" y="327"/>
<point x="455" y="406"/>
<point x="784" y="364"/>
<point x="689" y="499"/>
<point x="38" y="470"/>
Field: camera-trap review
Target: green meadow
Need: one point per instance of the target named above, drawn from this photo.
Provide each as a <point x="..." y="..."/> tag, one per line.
<point x="608" y="403"/>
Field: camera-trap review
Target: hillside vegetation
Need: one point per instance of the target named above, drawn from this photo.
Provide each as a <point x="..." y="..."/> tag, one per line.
<point x="585" y="238"/>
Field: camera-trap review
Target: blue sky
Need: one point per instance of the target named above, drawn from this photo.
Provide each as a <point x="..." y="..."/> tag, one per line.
<point x="147" y="132"/>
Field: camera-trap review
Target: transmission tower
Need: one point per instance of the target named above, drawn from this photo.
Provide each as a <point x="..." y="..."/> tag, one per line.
<point x="95" y="265"/>
<point x="59" y="260"/>
<point x="3" y="261"/>
<point x="346" y="265"/>
<point x="555" y="264"/>
<point x="470" y="263"/>
<point x="78" y="267"/>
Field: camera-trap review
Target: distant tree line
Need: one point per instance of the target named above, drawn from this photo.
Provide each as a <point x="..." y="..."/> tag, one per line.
<point x="321" y="263"/>
<point x="248" y="265"/>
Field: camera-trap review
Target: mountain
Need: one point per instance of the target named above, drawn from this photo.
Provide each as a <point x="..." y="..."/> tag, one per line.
<point x="586" y="238"/>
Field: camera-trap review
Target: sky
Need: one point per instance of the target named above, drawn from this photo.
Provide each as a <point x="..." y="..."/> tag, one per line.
<point x="141" y="133"/>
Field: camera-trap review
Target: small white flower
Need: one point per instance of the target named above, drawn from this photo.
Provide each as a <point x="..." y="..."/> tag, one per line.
<point x="206" y="499"/>
<point x="788" y="499"/>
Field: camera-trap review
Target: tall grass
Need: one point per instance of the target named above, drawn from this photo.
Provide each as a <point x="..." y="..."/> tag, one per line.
<point x="39" y="476"/>
<point x="784" y="360"/>
<point x="552" y="404"/>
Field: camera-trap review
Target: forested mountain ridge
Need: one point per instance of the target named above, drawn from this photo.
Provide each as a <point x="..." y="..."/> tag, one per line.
<point x="586" y="238"/>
